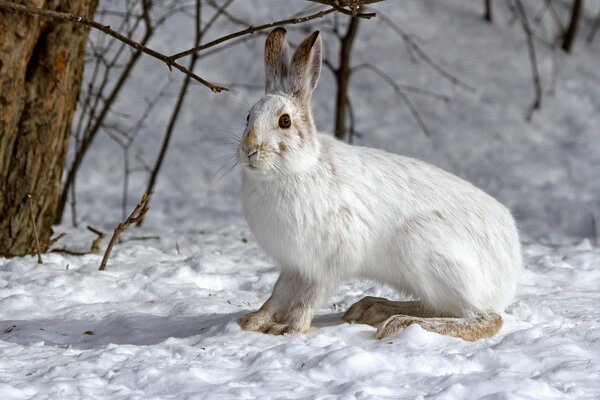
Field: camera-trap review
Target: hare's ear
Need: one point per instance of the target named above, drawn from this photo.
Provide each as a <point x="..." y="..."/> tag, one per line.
<point x="305" y="67"/>
<point x="276" y="61"/>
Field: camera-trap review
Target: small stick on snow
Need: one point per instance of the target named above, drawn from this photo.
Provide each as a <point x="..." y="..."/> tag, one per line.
<point x="55" y="239"/>
<point x="35" y="234"/>
<point x="95" y="247"/>
<point x="136" y="215"/>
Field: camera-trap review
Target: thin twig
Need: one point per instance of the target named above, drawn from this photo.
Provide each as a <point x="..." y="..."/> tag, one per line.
<point x="69" y="252"/>
<point x="180" y="99"/>
<point x="74" y="18"/>
<point x="142" y="238"/>
<point x="95" y="246"/>
<point x="399" y="92"/>
<point x="595" y="241"/>
<point x="137" y="214"/>
<point x="354" y="6"/>
<point x="594" y="29"/>
<point x="412" y="44"/>
<point x="537" y="101"/>
<point x="251" y="30"/>
<point x="35" y="233"/>
<point x="55" y="239"/>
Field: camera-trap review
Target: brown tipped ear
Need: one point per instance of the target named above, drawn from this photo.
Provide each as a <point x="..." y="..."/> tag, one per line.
<point x="276" y="61"/>
<point x="305" y="67"/>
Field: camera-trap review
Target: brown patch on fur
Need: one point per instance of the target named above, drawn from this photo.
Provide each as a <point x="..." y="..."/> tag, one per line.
<point x="332" y="169"/>
<point x="251" y="140"/>
<point x="275" y="59"/>
<point x="439" y="215"/>
<point x="282" y="148"/>
<point x="306" y="59"/>
<point x="273" y="45"/>
<point x="346" y="212"/>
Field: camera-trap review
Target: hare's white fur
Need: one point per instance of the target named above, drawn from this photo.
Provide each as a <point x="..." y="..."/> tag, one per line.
<point x="327" y="211"/>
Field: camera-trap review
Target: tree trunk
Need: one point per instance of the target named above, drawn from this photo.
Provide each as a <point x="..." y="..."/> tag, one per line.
<point x="571" y="32"/>
<point x="41" y="65"/>
<point x="342" y="75"/>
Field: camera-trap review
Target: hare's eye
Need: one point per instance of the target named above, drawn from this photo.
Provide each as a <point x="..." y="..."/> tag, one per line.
<point x="285" y="121"/>
<point x="247" y="118"/>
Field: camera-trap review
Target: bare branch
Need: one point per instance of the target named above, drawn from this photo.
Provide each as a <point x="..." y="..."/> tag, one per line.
<point x="594" y="29"/>
<point x="399" y="92"/>
<point x="571" y="32"/>
<point x="251" y="30"/>
<point x="74" y="18"/>
<point x="487" y="4"/>
<point x="412" y="44"/>
<point x="353" y="5"/>
<point x="136" y="215"/>
<point x="342" y="75"/>
<point x="95" y="246"/>
<point x="55" y="239"/>
<point x="35" y="233"/>
<point x="537" y="101"/>
<point x="180" y="99"/>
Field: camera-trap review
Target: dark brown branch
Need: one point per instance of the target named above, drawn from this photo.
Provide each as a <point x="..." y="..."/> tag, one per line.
<point x="55" y="239"/>
<point x="98" y="121"/>
<point x="180" y="99"/>
<point x="74" y="18"/>
<point x="251" y="30"/>
<point x="537" y="85"/>
<point x="351" y="121"/>
<point x="70" y="252"/>
<point x="571" y="31"/>
<point x="136" y="215"/>
<point x="353" y="5"/>
<point x="342" y="75"/>
<point x="487" y="15"/>
<point x="35" y="233"/>
<point x="95" y="246"/>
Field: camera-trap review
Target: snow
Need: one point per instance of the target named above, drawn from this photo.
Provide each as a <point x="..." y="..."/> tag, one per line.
<point x="161" y="321"/>
<point x="164" y="325"/>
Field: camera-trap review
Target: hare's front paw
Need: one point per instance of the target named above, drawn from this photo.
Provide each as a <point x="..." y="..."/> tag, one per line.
<point x="257" y="321"/>
<point x="282" y="329"/>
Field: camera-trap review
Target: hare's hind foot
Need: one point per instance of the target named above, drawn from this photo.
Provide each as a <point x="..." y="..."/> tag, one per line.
<point x="482" y="325"/>
<point x="374" y="310"/>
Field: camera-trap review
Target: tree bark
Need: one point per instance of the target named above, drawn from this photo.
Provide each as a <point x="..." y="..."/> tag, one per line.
<point x="41" y="65"/>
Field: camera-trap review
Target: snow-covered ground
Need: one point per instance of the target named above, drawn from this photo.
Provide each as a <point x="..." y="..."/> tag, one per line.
<point x="161" y="322"/>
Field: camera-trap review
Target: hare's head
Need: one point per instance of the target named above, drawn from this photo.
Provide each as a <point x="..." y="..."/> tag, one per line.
<point x="280" y="137"/>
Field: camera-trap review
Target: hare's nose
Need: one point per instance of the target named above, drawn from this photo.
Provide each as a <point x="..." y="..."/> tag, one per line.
<point x="252" y="155"/>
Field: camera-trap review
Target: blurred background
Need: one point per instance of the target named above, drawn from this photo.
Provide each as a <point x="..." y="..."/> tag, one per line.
<point x="505" y="94"/>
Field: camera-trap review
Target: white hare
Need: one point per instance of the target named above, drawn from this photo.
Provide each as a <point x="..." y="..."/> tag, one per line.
<point x="327" y="211"/>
